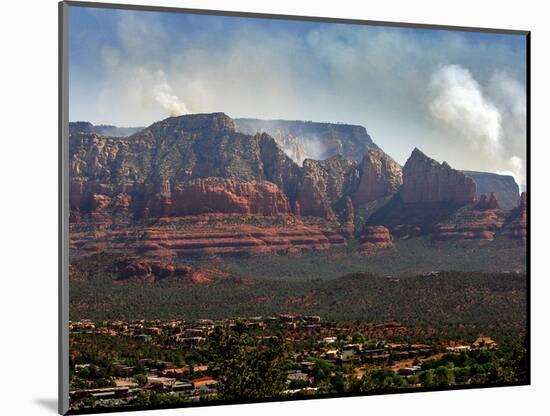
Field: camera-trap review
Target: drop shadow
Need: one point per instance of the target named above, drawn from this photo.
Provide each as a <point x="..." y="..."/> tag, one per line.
<point x="48" y="404"/>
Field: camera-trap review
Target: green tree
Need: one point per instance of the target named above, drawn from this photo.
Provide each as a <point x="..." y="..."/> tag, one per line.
<point x="245" y="367"/>
<point x="140" y="379"/>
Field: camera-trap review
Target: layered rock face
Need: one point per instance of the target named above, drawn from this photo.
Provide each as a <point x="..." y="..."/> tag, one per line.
<point x="427" y="181"/>
<point x="504" y="187"/>
<point x="207" y="234"/>
<point x="379" y="176"/>
<point x="311" y="140"/>
<point x="517" y="229"/>
<point x="223" y="196"/>
<point x="376" y="237"/>
<point x="472" y="224"/>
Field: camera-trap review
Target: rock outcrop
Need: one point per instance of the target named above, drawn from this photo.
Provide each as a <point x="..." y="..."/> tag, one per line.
<point x="135" y="267"/>
<point x="472" y="224"/>
<point x="223" y="196"/>
<point x="427" y="181"/>
<point x="379" y="176"/>
<point x="517" y="229"/>
<point x="348" y="218"/>
<point x="487" y="202"/>
<point x="323" y="183"/>
<point x="376" y="237"/>
<point x="504" y="187"/>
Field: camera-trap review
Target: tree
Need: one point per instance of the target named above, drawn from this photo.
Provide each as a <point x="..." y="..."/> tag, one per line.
<point x="140" y="379"/>
<point x="247" y="368"/>
<point x="321" y="372"/>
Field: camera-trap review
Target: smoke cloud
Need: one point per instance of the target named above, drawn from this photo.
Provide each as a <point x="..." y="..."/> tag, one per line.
<point x="490" y="120"/>
<point x="164" y="96"/>
<point x="436" y="90"/>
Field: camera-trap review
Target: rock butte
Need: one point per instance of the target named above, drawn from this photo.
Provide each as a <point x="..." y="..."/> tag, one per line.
<point x="426" y="180"/>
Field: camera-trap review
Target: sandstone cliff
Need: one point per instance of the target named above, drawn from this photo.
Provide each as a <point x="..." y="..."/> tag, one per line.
<point x="178" y="153"/>
<point x="426" y="181"/>
<point x="323" y="183"/>
<point x="379" y="176"/>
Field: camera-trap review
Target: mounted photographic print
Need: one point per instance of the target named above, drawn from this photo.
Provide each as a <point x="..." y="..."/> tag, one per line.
<point x="265" y="208"/>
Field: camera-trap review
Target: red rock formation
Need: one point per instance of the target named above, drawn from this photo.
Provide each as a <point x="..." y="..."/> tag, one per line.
<point x="227" y="197"/>
<point x="426" y="180"/>
<point x="207" y="236"/>
<point x="348" y="218"/>
<point x="100" y="202"/>
<point x="323" y="184"/>
<point x="122" y="202"/>
<point x="297" y="209"/>
<point x="517" y="229"/>
<point x="379" y="175"/>
<point x="406" y="231"/>
<point x="472" y="224"/>
<point x="151" y="270"/>
<point x="376" y="237"/>
<point x="487" y="202"/>
<point x="313" y="199"/>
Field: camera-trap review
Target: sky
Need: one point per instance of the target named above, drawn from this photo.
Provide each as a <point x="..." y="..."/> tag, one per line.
<point x="457" y="96"/>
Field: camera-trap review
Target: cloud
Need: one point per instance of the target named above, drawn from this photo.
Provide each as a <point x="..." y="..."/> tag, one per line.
<point x="491" y="120"/>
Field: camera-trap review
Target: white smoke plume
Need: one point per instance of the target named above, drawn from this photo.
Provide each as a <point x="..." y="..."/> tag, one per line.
<point x="164" y="96"/>
<point x="490" y="120"/>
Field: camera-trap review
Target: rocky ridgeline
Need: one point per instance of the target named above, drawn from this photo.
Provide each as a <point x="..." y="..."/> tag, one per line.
<point x="197" y="164"/>
<point x="201" y="165"/>
<point x="427" y="181"/>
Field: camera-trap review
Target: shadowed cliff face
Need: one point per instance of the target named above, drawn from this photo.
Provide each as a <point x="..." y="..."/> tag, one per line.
<point x="504" y="187"/>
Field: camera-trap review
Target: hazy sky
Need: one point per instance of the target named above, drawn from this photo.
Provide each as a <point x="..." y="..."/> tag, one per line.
<point x="458" y="96"/>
